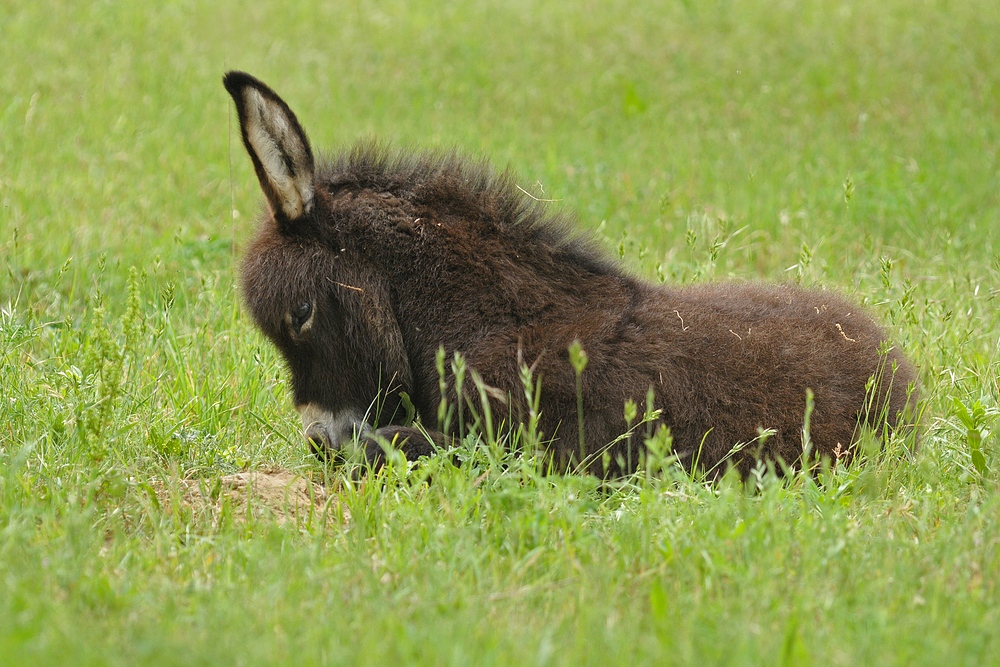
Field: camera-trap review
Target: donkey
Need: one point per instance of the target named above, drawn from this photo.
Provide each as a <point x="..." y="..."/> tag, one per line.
<point x="367" y="263"/>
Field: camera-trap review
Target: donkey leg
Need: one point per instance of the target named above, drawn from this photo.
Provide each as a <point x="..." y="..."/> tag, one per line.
<point x="412" y="442"/>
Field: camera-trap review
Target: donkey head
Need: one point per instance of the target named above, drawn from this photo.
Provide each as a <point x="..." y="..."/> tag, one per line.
<point x="310" y="288"/>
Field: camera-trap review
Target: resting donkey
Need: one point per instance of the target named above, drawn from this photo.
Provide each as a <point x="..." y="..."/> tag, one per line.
<point x="367" y="263"/>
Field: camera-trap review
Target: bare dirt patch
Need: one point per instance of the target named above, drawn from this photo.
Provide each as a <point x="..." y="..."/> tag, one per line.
<point x="280" y="494"/>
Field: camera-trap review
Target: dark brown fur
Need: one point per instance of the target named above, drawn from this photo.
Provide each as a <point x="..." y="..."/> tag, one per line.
<point x="404" y="253"/>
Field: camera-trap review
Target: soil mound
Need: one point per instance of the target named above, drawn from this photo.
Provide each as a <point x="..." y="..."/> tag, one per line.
<point x="281" y="494"/>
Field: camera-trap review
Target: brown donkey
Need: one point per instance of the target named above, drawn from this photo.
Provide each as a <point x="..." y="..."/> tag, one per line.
<point x="367" y="263"/>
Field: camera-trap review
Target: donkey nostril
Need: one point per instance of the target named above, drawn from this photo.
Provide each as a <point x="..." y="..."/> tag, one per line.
<point x="319" y="439"/>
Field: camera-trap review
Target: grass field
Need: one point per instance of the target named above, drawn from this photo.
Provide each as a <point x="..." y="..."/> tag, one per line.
<point x="850" y="145"/>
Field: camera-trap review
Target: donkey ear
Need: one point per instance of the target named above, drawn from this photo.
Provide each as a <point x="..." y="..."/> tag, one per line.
<point x="277" y="145"/>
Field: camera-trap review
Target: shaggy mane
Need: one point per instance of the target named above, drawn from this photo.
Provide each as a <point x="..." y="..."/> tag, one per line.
<point x="467" y="188"/>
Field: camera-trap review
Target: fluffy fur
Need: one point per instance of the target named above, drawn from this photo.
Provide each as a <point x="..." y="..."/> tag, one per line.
<point x="403" y="253"/>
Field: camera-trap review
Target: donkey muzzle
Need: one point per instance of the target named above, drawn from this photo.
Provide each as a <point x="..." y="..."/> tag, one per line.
<point x="326" y="431"/>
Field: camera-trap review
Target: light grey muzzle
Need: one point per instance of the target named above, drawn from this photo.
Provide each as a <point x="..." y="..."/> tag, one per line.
<point x="328" y="432"/>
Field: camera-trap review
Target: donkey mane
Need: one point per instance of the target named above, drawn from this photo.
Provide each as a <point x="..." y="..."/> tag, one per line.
<point x="467" y="189"/>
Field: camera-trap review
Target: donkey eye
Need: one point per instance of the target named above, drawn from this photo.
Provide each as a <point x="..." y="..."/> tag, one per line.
<point x="301" y="314"/>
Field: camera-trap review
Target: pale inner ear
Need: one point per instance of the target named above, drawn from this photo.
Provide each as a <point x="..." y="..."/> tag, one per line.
<point x="282" y="152"/>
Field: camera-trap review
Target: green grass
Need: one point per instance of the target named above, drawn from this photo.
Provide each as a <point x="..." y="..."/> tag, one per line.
<point x="698" y="140"/>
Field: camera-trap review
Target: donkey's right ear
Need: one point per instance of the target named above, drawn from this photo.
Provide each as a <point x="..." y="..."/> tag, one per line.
<point x="277" y="145"/>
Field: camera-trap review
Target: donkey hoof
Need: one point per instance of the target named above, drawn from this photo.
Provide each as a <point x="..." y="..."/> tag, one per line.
<point x="374" y="453"/>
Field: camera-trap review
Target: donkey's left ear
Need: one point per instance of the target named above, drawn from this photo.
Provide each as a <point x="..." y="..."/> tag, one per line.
<point x="277" y="145"/>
